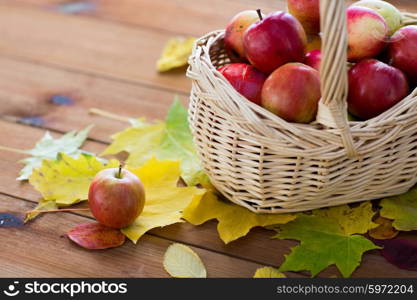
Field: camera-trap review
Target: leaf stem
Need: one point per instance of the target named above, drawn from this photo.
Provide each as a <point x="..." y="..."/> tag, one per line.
<point x="57" y="210"/>
<point x="14" y="150"/>
<point x="109" y="115"/>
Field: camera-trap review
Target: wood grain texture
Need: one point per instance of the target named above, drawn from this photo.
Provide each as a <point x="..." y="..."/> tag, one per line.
<point x="27" y="91"/>
<point x="266" y="252"/>
<point x="198" y="17"/>
<point x="159" y="14"/>
<point x="87" y="45"/>
<point x="41" y="249"/>
<point x="104" y="56"/>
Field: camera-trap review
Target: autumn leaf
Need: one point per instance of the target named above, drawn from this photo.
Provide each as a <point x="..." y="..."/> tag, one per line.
<point x="169" y="140"/>
<point x="177" y="144"/>
<point x="165" y="201"/>
<point x="95" y="236"/>
<point x="399" y="252"/>
<point x="327" y="237"/>
<point x="234" y="221"/>
<point x="67" y="180"/>
<point x="175" y="54"/>
<point x="402" y="209"/>
<point x="268" y="272"/>
<point x="181" y="261"/>
<point x="42" y="206"/>
<point x="384" y="231"/>
<point x="139" y="142"/>
<point x="48" y="148"/>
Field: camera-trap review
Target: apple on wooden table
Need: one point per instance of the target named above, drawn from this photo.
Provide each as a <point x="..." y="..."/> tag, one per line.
<point x="116" y="197"/>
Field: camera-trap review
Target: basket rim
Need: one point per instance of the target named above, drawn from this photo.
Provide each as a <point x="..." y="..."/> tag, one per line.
<point x="201" y="51"/>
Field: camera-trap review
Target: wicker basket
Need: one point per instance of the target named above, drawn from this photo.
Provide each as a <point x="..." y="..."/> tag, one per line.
<point x="268" y="165"/>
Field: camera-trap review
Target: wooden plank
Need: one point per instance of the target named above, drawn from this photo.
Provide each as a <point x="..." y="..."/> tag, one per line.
<point x="157" y="14"/>
<point x="86" y="45"/>
<point x="39" y="249"/>
<point x="257" y="247"/>
<point x="174" y="16"/>
<point x="27" y="93"/>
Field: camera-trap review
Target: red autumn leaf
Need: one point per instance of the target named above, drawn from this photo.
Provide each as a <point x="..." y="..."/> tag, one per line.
<point x="401" y="253"/>
<point x="95" y="236"/>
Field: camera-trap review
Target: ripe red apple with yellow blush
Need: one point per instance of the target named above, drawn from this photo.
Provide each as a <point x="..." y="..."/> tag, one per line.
<point x="307" y="12"/>
<point x="388" y="11"/>
<point x="233" y="37"/>
<point x="313" y="59"/>
<point x="274" y="41"/>
<point x="367" y="33"/>
<point x="247" y="80"/>
<point x="374" y="87"/>
<point x="116" y="197"/>
<point x="402" y="51"/>
<point x="292" y="92"/>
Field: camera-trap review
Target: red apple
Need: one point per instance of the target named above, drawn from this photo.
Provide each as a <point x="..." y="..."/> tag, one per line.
<point x="233" y="38"/>
<point x="402" y="51"/>
<point x="116" y="197"/>
<point x="374" y="87"/>
<point x="245" y="79"/>
<point x="293" y="92"/>
<point x="307" y="12"/>
<point x="274" y="41"/>
<point x="313" y="59"/>
<point x="367" y="33"/>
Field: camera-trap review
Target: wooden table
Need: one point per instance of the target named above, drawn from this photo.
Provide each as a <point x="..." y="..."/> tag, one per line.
<point x="102" y="54"/>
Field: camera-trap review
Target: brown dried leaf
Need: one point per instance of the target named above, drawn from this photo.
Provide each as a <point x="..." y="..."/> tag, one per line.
<point x="384" y="231"/>
<point x="95" y="236"/>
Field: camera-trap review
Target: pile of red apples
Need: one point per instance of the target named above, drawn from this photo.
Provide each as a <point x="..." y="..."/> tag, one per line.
<point x="276" y="58"/>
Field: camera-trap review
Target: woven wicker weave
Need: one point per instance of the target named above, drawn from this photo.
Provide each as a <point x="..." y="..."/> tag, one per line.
<point x="268" y="165"/>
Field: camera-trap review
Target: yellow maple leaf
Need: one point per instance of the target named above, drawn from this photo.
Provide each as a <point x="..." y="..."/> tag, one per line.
<point x="42" y="205"/>
<point x="165" y="201"/>
<point x="66" y="180"/>
<point x="234" y="221"/>
<point x="268" y="272"/>
<point x="140" y="142"/>
<point x="175" y="54"/>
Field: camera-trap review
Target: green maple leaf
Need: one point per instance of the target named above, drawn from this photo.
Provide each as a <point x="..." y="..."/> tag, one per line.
<point x="402" y="209"/>
<point x="328" y="236"/>
<point x="48" y="148"/>
<point x="169" y="140"/>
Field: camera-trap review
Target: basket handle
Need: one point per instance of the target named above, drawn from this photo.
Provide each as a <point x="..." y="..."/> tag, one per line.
<point x="332" y="110"/>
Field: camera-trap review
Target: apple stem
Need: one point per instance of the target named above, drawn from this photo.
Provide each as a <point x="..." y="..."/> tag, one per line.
<point x="259" y="14"/>
<point x="119" y="174"/>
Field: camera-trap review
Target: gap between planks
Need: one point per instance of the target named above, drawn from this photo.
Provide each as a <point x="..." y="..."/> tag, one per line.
<point x="254" y="242"/>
